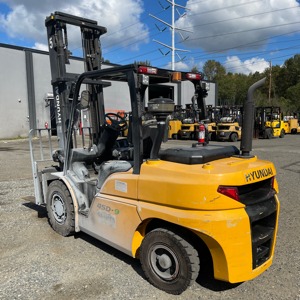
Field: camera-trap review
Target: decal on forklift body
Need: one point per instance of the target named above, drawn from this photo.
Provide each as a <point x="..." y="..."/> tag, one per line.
<point x="258" y="174"/>
<point x="106" y="218"/>
<point x="58" y="112"/>
<point x="107" y="215"/>
<point x="121" y="186"/>
<point x="108" y="209"/>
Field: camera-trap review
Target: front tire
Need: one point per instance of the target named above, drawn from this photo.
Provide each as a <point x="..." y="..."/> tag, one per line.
<point x="60" y="209"/>
<point x="169" y="262"/>
<point x="282" y="133"/>
<point x="268" y="133"/>
<point x="233" y="137"/>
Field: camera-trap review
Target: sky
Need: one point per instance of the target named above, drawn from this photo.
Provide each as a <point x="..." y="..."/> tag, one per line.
<point x="245" y="36"/>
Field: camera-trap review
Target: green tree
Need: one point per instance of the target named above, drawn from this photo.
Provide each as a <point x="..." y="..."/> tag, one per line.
<point x="226" y="90"/>
<point x="143" y="63"/>
<point x="195" y="69"/>
<point x="213" y="70"/>
<point x="242" y="84"/>
<point x="288" y="75"/>
<point x="293" y="96"/>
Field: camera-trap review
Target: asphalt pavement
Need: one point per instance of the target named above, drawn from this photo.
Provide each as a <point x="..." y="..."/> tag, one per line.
<point x="37" y="263"/>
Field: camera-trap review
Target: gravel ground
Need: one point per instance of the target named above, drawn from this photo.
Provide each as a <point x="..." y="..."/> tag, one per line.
<point x="37" y="263"/>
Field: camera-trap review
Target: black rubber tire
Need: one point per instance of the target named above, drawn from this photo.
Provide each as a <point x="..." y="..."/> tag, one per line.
<point x="180" y="259"/>
<point x="233" y="137"/>
<point x="282" y="133"/>
<point x="60" y="209"/>
<point x="268" y="133"/>
<point x="210" y="136"/>
<point x="192" y="136"/>
<point x="174" y="136"/>
<point x="213" y="136"/>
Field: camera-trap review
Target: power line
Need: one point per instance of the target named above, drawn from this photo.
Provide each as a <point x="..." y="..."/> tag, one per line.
<point x="173" y="28"/>
<point x="241" y="17"/>
<point x="213" y="36"/>
<point x="232" y="6"/>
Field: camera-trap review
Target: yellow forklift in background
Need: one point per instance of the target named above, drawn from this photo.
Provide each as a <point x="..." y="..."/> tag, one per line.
<point x="175" y="122"/>
<point x="166" y="206"/>
<point x="213" y="116"/>
<point x="195" y="112"/>
<point x="229" y="126"/>
<point x="291" y="125"/>
<point x="190" y="123"/>
<point x="269" y="122"/>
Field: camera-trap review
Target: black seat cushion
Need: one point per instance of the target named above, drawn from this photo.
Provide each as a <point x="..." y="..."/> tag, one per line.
<point x="197" y="155"/>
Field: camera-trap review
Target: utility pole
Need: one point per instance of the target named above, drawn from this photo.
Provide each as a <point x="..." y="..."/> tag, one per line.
<point x="173" y="28"/>
<point x="270" y="82"/>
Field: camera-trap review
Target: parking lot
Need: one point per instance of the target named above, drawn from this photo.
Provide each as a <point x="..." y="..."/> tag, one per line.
<point x="37" y="263"/>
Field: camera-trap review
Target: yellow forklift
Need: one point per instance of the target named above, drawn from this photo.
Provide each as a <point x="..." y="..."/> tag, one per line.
<point x="165" y="206"/>
<point x="213" y="114"/>
<point x="269" y="122"/>
<point x="291" y="125"/>
<point x="229" y="126"/>
<point x="195" y="113"/>
<point x="175" y="122"/>
<point x="190" y="124"/>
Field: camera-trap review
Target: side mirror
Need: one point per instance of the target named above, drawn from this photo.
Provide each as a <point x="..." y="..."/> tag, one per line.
<point x="85" y="99"/>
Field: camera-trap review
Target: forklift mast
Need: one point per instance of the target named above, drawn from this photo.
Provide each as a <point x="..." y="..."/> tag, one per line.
<point x="63" y="82"/>
<point x="198" y="101"/>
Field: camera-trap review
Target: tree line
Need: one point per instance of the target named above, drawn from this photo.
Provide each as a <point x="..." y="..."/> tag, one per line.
<point x="282" y="87"/>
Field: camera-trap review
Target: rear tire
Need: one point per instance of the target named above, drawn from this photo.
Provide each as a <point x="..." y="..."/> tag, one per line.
<point x="169" y="262"/>
<point x="60" y="209"/>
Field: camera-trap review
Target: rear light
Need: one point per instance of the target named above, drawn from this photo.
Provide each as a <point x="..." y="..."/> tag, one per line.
<point x="193" y="76"/>
<point x="176" y="76"/>
<point x="229" y="191"/>
<point x="147" y="70"/>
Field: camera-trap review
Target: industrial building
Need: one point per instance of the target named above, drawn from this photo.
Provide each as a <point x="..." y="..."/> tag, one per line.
<point x="26" y="90"/>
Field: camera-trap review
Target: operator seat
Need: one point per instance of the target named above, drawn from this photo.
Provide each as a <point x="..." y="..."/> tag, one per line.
<point x="106" y="143"/>
<point x="149" y="130"/>
<point x="109" y="167"/>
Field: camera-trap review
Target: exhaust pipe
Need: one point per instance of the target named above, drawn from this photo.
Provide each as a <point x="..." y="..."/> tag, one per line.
<point x="248" y="120"/>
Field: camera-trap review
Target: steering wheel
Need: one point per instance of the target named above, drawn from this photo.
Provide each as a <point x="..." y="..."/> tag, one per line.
<point x="115" y="122"/>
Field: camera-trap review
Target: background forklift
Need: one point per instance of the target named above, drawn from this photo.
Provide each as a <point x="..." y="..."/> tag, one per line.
<point x="214" y="115"/>
<point x="175" y="122"/>
<point x="269" y="122"/>
<point x="166" y="206"/>
<point x="291" y="125"/>
<point x="229" y="126"/>
<point x="195" y="112"/>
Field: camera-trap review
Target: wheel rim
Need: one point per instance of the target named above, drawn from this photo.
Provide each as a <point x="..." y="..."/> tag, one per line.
<point x="164" y="262"/>
<point x="58" y="208"/>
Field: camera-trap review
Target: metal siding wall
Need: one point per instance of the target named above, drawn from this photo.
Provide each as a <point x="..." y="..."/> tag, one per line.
<point x="187" y="91"/>
<point x="42" y="79"/>
<point x="42" y="86"/>
<point x="13" y="96"/>
<point x="211" y="97"/>
<point x="14" y="100"/>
